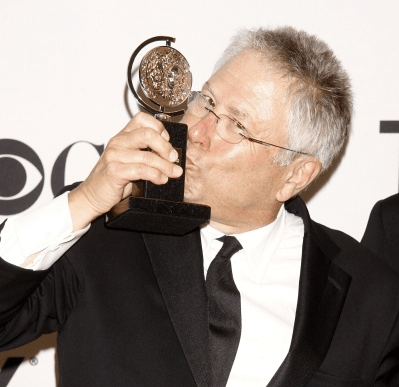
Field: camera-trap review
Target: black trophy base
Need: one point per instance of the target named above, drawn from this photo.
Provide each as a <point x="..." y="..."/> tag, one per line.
<point x="157" y="216"/>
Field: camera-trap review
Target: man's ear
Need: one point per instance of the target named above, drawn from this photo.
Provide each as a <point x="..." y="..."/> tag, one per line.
<point x="301" y="173"/>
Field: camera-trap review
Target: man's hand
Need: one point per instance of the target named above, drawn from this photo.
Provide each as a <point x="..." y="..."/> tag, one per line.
<point x="123" y="162"/>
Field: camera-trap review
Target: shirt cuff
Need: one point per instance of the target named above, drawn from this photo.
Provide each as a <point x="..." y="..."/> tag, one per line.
<point x="46" y="229"/>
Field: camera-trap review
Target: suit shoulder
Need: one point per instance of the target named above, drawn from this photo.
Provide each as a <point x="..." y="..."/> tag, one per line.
<point x="386" y="207"/>
<point x="341" y="239"/>
<point x="392" y="200"/>
<point x="358" y="260"/>
<point x="383" y="224"/>
<point x="390" y="206"/>
<point x="104" y="247"/>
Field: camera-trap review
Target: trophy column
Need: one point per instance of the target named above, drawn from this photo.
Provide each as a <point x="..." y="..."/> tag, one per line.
<point x="165" y="79"/>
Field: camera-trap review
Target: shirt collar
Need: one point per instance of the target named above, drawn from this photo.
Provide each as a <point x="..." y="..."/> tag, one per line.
<point x="259" y="245"/>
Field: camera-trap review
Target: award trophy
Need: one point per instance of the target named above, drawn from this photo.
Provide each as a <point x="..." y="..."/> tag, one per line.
<point x="165" y="80"/>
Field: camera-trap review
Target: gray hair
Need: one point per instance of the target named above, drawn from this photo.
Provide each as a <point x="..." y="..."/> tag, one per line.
<point x="318" y="93"/>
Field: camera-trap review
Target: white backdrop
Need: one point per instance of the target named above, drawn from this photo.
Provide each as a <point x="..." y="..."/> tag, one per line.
<point x="63" y="81"/>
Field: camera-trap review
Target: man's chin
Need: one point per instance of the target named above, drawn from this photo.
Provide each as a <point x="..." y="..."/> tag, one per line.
<point x="193" y="192"/>
<point x="190" y="198"/>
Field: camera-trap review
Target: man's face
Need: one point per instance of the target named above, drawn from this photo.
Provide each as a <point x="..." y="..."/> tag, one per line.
<point x="238" y="181"/>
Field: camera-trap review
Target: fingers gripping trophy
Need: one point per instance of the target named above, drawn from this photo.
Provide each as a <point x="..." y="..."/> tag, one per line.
<point x="165" y="82"/>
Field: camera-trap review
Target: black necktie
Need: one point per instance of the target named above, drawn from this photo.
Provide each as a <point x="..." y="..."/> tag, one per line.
<point x="224" y="312"/>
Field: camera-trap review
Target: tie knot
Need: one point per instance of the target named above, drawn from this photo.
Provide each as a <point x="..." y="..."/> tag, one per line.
<point x="230" y="246"/>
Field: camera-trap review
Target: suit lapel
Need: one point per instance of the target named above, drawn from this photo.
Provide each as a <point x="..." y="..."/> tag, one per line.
<point x="322" y="292"/>
<point x="178" y="266"/>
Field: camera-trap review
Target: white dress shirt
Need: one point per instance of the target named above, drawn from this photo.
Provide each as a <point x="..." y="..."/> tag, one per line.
<point x="266" y="272"/>
<point x="46" y="229"/>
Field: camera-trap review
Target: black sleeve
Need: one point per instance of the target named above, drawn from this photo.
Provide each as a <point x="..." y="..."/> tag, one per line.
<point x="35" y="302"/>
<point x="374" y="236"/>
<point x="388" y="372"/>
<point x="382" y="232"/>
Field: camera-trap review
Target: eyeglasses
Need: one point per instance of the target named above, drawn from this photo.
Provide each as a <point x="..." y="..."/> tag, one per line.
<point x="228" y="128"/>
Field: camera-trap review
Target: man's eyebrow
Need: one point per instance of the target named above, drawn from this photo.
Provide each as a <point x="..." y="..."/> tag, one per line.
<point x="240" y="114"/>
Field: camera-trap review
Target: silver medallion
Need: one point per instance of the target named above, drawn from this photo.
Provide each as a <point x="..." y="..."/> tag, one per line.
<point x="165" y="76"/>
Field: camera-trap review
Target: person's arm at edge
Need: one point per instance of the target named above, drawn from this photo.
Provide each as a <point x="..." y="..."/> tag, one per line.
<point x="37" y="238"/>
<point x="110" y="181"/>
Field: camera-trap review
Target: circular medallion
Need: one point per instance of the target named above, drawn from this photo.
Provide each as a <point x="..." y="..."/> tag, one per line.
<point x="165" y="76"/>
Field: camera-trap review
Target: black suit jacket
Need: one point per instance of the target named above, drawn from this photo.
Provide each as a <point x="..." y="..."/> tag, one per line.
<point x="382" y="231"/>
<point x="131" y="310"/>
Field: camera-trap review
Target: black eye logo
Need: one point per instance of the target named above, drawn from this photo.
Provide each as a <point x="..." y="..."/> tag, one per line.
<point x="21" y="177"/>
<point x="59" y="172"/>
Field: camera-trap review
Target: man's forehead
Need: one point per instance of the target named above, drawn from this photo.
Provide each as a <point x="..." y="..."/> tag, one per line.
<point x="250" y="98"/>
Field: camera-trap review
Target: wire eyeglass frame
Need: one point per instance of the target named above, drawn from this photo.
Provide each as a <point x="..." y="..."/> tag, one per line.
<point x="243" y="133"/>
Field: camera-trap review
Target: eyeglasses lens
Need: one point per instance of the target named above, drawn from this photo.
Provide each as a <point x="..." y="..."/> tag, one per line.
<point x="199" y="107"/>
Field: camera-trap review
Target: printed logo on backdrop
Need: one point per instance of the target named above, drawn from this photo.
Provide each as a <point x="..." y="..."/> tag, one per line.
<point x="389" y="127"/>
<point x="19" y="165"/>
<point x="22" y="174"/>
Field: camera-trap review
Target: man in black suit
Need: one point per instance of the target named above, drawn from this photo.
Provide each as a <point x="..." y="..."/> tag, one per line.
<point x="382" y="231"/>
<point x="134" y="309"/>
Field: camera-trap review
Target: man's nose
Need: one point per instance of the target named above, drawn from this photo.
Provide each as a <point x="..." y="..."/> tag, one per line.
<point x="202" y="131"/>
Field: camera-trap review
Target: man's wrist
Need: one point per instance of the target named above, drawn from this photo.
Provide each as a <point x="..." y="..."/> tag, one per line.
<point x="81" y="211"/>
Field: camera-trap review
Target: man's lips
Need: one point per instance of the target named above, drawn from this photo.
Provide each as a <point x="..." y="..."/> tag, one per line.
<point x="189" y="163"/>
